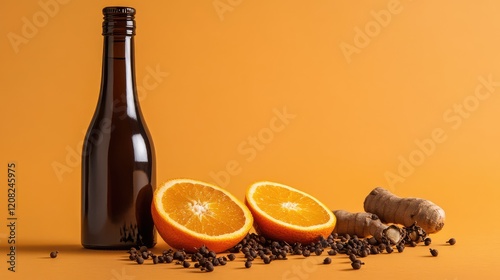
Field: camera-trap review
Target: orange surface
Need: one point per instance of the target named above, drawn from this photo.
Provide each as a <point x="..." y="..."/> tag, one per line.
<point x="330" y="97"/>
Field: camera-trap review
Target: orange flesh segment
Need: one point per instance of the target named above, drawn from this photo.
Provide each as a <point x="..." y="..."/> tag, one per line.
<point x="289" y="207"/>
<point x="202" y="209"/>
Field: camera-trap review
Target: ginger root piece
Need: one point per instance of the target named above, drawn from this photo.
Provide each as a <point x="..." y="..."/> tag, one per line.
<point x="405" y="211"/>
<point x="366" y="224"/>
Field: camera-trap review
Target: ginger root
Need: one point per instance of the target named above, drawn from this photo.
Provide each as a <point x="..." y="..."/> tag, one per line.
<point x="366" y="224"/>
<point x="405" y="211"/>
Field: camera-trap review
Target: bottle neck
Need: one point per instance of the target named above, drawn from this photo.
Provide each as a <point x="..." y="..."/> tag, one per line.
<point x="118" y="87"/>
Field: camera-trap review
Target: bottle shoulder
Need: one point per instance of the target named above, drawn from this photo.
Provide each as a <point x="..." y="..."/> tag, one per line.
<point x="117" y="130"/>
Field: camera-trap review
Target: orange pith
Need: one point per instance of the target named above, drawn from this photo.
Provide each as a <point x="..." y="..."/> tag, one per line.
<point x="189" y="214"/>
<point x="284" y="213"/>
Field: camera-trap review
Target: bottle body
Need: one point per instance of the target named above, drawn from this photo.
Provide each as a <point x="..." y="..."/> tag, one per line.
<point x="118" y="158"/>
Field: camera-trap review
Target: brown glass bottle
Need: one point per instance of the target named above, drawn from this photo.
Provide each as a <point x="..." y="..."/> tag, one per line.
<point x="118" y="159"/>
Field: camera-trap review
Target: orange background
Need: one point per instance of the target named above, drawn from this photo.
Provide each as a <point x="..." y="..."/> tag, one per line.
<point x="366" y="86"/>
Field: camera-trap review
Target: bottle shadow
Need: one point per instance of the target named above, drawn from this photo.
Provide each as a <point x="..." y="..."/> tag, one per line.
<point x="35" y="248"/>
<point x="43" y="251"/>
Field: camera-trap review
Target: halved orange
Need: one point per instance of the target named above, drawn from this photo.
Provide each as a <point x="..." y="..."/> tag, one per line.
<point x="284" y="213"/>
<point x="189" y="214"/>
